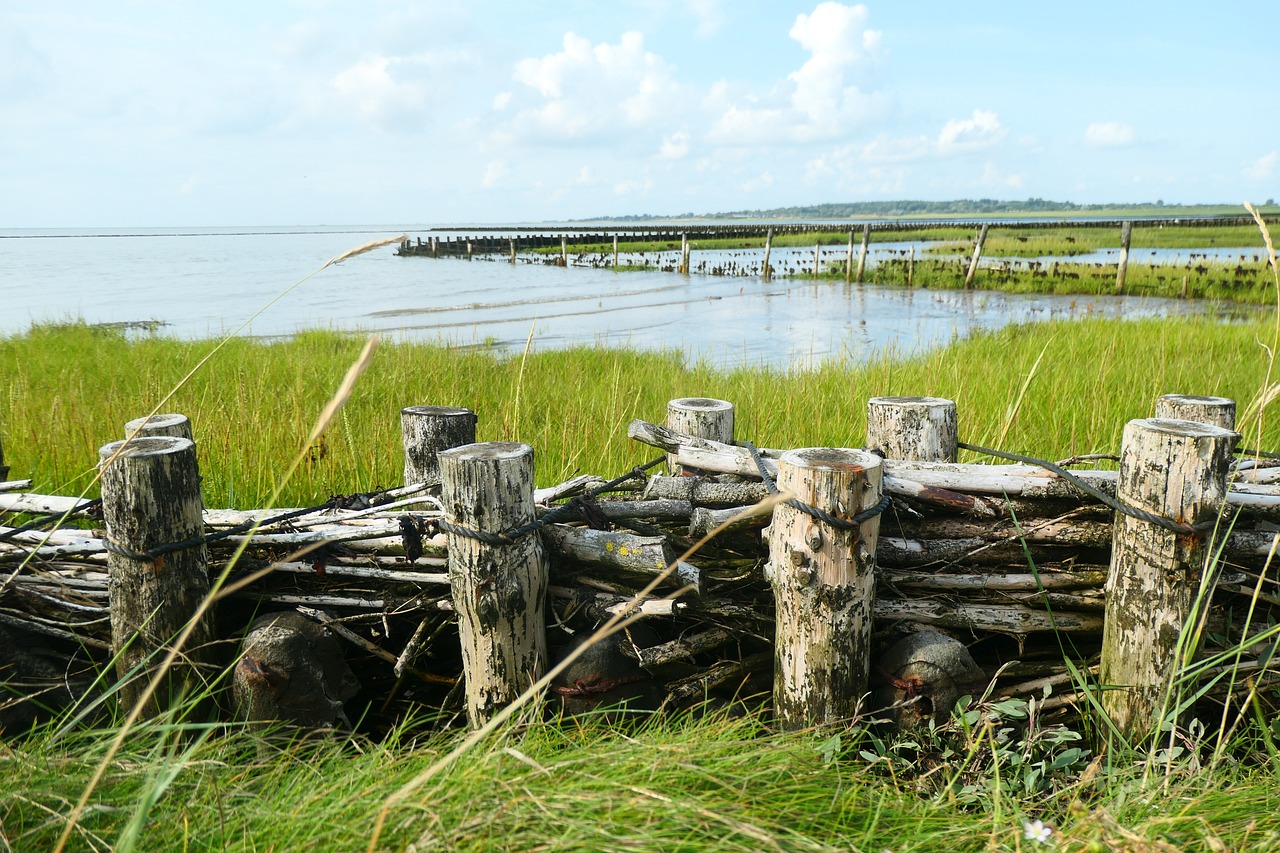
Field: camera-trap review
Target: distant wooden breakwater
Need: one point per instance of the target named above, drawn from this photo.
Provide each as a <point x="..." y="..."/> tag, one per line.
<point x="894" y="579"/>
<point x="477" y="240"/>
<point x="666" y="241"/>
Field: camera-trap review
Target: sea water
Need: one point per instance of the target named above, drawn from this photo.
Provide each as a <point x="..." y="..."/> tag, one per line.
<point x="264" y="282"/>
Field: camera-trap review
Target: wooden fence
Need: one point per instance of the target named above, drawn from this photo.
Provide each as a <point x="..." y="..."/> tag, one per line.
<point x="464" y="587"/>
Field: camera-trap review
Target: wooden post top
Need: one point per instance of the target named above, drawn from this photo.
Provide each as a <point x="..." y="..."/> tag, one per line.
<point x="703" y="403"/>
<point x="1197" y="400"/>
<point x="439" y="411"/>
<point x="1181" y="429"/>
<point x="158" y="445"/>
<point x="831" y="459"/>
<point x="488" y="450"/>
<point x="910" y="401"/>
<point x="155" y="423"/>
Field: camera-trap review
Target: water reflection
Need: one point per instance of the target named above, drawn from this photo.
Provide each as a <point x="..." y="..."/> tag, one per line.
<point x="201" y="284"/>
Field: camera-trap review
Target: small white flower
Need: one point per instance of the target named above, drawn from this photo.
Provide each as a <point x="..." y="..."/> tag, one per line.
<point x="1036" y="831"/>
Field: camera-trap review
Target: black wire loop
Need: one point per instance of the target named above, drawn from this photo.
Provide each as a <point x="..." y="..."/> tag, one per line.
<point x="820" y="514"/>
<point x="573" y="509"/>
<point x="1169" y="524"/>
<point x="152" y="554"/>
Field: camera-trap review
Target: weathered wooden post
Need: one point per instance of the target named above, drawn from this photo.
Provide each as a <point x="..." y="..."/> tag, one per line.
<point x="823" y="579"/>
<point x="766" y="270"/>
<point x="615" y="251"/>
<point x="702" y="417"/>
<point x="1125" y="231"/>
<point x="513" y="251"/>
<point x="564" y="250"/>
<point x="1219" y="411"/>
<point x="427" y="430"/>
<point x="151" y="498"/>
<point x="977" y="255"/>
<point x="862" y="253"/>
<point x="499" y="590"/>
<point x="913" y="429"/>
<point x="158" y="425"/>
<point x="469" y="249"/>
<point x="684" y="252"/>
<point x="848" y="260"/>
<point x="1176" y="470"/>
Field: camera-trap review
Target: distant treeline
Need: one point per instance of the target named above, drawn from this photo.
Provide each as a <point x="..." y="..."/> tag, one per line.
<point x="958" y="207"/>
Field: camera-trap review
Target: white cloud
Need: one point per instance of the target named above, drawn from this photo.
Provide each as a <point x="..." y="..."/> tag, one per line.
<point x="837" y="40"/>
<point x="494" y="172"/>
<point x="586" y="177"/>
<point x="501" y="100"/>
<point x="370" y="88"/>
<point x="675" y="146"/>
<point x="762" y="181"/>
<point x="1263" y="168"/>
<point x="634" y="186"/>
<point x="710" y="17"/>
<point x="992" y="176"/>
<point x="981" y="130"/>
<point x="391" y="92"/>
<point x="823" y="99"/>
<point x="641" y="89"/>
<point x="884" y="149"/>
<point x="1108" y="134"/>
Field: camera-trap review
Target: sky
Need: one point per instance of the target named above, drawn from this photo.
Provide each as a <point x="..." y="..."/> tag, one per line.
<point x="309" y="112"/>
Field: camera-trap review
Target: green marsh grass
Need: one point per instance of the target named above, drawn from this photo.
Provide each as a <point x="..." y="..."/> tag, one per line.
<point x="254" y="406"/>
<point x="720" y="782"/>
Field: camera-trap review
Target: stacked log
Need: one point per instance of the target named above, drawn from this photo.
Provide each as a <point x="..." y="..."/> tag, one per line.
<point x="1010" y="560"/>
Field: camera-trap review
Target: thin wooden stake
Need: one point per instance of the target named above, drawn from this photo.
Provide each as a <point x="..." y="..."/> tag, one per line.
<point x="767" y="271"/>
<point x="1121" y="268"/>
<point x="862" y="253"/>
<point x="977" y="255"/>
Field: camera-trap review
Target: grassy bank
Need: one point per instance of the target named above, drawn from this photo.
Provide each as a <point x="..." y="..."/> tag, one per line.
<point x="727" y="782"/>
<point x="1244" y="281"/>
<point x="254" y="404"/>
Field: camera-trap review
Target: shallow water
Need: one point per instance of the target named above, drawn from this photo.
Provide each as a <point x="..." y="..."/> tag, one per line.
<point x="212" y="281"/>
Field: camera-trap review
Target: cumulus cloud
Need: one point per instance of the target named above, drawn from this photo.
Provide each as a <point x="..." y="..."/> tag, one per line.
<point x="981" y="130"/>
<point x="993" y="176"/>
<point x="390" y="91"/>
<point x="1108" y="134"/>
<point x="675" y="146"/>
<point x="641" y="85"/>
<point x="494" y="172"/>
<point x="634" y="186"/>
<point x="764" y="180"/>
<point x="1263" y="168"/>
<point x="884" y="149"/>
<point x="824" y="98"/>
<point x="372" y="89"/>
<point x="710" y="16"/>
<point x="837" y="40"/>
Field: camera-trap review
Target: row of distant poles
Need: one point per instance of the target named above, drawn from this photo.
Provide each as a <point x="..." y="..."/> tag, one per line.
<point x="853" y="273"/>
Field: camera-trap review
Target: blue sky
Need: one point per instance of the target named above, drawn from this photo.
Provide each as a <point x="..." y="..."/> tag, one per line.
<point x="313" y="112"/>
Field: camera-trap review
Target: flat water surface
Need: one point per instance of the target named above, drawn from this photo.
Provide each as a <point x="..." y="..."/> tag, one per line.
<point x="209" y="282"/>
